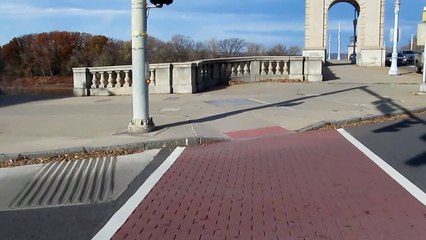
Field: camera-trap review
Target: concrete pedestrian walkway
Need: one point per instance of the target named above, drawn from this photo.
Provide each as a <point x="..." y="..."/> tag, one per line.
<point x="51" y="124"/>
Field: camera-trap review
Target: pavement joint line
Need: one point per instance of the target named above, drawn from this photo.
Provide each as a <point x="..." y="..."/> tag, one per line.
<point x="388" y="169"/>
<point x="120" y="217"/>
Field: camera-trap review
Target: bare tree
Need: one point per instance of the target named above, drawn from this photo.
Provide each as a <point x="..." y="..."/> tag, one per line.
<point x="255" y="49"/>
<point x="294" y="51"/>
<point x="278" y="50"/>
<point x="181" y="46"/>
<point x="232" y="46"/>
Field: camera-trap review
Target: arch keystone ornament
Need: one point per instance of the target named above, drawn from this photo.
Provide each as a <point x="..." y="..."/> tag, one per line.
<point x="370" y="50"/>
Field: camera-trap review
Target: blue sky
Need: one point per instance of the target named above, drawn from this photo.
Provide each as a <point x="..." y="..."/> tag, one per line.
<point x="263" y="21"/>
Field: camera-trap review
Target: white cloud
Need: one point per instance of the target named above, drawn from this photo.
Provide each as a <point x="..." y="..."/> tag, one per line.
<point x="29" y="11"/>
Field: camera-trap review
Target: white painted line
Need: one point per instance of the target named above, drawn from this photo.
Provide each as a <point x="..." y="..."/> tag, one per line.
<point x="120" y="217"/>
<point x="259" y="101"/>
<point x="398" y="177"/>
<point x="267" y="103"/>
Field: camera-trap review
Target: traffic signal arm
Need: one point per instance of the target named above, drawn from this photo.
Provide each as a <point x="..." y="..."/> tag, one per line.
<point x="161" y="2"/>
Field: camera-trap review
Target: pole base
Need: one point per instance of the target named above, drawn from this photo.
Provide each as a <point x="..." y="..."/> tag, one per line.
<point x="422" y="88"/>
<point x="393" y="72"/>
<point x="139" y="126"/>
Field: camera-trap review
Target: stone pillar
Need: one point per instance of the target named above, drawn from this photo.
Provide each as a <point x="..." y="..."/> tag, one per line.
<point x="184" y="78"/>
<point x="313" y="69"/>
<point x="297" y="68"/>
<point x="315" y="29"/>
<point x="81" y="78"/>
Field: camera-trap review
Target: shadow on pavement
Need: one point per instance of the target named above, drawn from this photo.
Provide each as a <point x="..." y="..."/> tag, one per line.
<point x="328" y="75"/>
<point x="418" y="161"/>
<point x="293" y="102"/>
<point x="388" y="107"/>
<point x="9" y="100"/>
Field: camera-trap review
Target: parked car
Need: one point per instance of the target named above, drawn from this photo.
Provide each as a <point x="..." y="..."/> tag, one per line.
<point x="400" y="59"/>
<point x="418" y="62"/>
<point x="409" y="56"/>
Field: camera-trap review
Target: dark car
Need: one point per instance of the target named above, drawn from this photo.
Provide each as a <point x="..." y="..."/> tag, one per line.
<point x="401" y="60"/>
<point x="409" y="56"/>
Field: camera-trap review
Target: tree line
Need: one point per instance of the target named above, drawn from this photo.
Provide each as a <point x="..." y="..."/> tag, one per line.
<point x="56" y="53"/>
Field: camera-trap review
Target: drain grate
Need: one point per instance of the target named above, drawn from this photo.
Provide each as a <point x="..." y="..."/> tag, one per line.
<point x="69" y="183"/>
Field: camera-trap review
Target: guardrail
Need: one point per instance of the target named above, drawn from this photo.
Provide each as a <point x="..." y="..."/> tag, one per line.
<point x="197" y="76"/>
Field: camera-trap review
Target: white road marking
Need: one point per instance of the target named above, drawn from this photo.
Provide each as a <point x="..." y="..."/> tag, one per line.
<point x="267" y="103"/>
<point x="259" y="101"/>
<point x="120" y="217"/>
<point x="398" y="177"/>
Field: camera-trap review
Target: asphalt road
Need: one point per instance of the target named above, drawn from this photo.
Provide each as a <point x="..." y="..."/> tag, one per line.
<point x="401" y="143"/>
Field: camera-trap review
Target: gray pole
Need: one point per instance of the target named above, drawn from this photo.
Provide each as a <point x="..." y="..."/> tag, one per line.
<point x="339" y="40"/>
<point x="394" y="71"/>
<point x="141" y="122"/>
<point x="354" y="57"/>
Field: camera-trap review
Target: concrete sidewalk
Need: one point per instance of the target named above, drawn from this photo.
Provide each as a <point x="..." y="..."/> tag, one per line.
<point x="43" y="124"/>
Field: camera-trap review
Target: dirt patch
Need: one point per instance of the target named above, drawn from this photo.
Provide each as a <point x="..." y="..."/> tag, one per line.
<point x="23" y="160"/>
<point x="351" y="124"/>
<point x="38" y="86"/>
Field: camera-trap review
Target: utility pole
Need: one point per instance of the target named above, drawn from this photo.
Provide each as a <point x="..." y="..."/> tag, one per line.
<point x="393" y="71"/>
<point x="339" y="39"/>
<point x="141" y="122"/>
<point x="412" y="42"/>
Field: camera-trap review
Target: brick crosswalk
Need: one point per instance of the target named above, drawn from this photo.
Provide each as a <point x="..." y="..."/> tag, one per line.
<point x="311" y="185"/>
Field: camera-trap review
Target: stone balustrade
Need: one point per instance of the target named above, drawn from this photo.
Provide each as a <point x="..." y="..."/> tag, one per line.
<point x="197" y="76"/>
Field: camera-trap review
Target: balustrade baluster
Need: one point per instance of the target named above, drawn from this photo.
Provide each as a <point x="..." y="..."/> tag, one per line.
<point x="246" y="69"/>
<point x="222" y="70"/>
<point x="270" y="68"/>
<point x="102" y="81"/>
<point x="233" y="73"/>
<point x="119" y="80"/>
<point x="285" y="68"/>
<point x="239" y="70"/>
<point x="110" y="80"/>
<point x="94" y="80"/>
<point x="278" y="69"/>
<point x="263" y="69"/>
<point x="127" y="80"/>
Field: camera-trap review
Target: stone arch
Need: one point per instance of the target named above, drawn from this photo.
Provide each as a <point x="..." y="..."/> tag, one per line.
<point x="370" y="29"/>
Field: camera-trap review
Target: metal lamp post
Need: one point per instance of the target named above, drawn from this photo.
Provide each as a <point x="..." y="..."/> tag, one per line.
<point x="141" y="122"/>
<point x="339" y="39"/>
<point x="393" y="71"/>
<point x="353" y="59"/>
<point x="329" y="47"/>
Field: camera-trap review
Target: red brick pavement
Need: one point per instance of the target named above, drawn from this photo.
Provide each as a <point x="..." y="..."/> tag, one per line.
<point x="297" y="186"/>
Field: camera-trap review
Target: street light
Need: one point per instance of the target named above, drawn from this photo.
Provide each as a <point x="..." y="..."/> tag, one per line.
<point x="141" y="122"/>
<point x="393" y="71"/>
<point x="353" y="58"/>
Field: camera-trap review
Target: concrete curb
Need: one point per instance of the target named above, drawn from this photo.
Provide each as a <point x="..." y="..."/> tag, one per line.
<point x="322" y="124"/>
<point x="171" y="143"/>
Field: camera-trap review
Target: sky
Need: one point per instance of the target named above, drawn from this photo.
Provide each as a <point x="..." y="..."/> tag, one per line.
<point x="268" y="22"/>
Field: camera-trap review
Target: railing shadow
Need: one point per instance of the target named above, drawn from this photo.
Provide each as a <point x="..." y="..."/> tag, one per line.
<point x="389" y="107"/>
<point x="293" y="102"/>
<point x="329" y="75"/>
